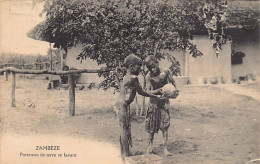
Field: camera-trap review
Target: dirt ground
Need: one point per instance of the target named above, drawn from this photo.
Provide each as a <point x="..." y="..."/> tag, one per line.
<point x="208" y="124"/>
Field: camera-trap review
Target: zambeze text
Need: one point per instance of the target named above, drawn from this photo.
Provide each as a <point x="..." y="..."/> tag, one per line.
<point x="47" y="147"/>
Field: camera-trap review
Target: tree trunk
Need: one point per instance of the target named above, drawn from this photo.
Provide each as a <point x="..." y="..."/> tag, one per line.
<point x="71" y="95"/>
<point x="137" y="106"/>
<point x="143" y="104"/>
<point x="51" y="56"/>
<point x="143" y="107"/>
<point x="155" y="48"/>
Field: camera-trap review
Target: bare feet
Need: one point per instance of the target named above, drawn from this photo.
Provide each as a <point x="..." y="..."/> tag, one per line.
<point x="167" y="153"/>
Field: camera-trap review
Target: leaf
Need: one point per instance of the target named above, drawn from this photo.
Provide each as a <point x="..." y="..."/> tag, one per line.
<point x="111" y="30"/>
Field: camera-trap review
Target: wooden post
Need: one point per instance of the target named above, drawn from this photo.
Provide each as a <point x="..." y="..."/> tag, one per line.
<point x="51" y="66"/>
<point x="61" y="58"/>
<point x="136" y="106"/>
<point x="143" y="98"/>
<point x="143" y="110"/>
<point x="23" y="69"/>
<point x="51" y="56"/>
<point x="186" y="72"/>
<point x="13" y="90"/>
<point x="71" y="94"/>
<point x="6" y="76"/>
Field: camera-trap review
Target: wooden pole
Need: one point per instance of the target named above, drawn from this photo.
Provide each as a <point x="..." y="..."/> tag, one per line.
<point x="61" y="58"/>
<point x="23" y="69"/>
<point x="186" y="64"/>
<point x="13" y="90"/>
<point x="136" y="106"/>
<point x="71" y="95"/>
<point x="51" y="56"/>
<point x="6" y="76"/>
<point x="27" y="71"/>
<point x="51" y="63"/>
<point x="143" y="106"/>
<point x="143" y="98"/>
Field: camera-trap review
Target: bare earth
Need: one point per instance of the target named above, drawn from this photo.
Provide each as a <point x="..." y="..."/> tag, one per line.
<point x="208" y="125"/>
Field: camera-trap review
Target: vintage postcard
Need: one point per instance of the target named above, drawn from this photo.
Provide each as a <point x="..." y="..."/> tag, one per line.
<point x="137" y="81"/>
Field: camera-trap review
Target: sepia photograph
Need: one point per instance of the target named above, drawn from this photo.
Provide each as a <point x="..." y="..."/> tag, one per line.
<point x="129" y="82"/>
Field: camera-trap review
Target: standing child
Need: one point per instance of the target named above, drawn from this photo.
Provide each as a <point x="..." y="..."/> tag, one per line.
<point x="129" y="87"/>
<point x="157" y="116"/>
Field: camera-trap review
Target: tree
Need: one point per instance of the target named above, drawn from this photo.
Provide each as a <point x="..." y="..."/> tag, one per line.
<point x="119" y="27"/>
<point x="21" y="58"/>
<point x="56" y="55"/>
<point x="111" y="30"/>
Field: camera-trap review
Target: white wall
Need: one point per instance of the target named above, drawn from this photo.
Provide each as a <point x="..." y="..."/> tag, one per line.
<point x="251" y="61"/>
<point x="180" y="56"/>
<point x="205" y="66"/>
<point x="209" y="65"/>
<point x="90" y="64"/>
<point x="71" y="61"/>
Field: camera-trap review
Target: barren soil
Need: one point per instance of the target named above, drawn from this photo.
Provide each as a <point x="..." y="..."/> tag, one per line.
<point x="208" y="124"/>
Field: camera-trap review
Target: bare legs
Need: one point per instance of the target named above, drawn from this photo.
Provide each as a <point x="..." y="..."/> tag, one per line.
<point x="165" y="141"/>
<point x="125" y="143"/>
<point x="150" y="147"/>
<point x="125" y="133"/>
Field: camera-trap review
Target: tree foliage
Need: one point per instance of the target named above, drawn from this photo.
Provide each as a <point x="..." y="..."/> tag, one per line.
<point x="110" y="30"/>
<point x="15" y="58"/>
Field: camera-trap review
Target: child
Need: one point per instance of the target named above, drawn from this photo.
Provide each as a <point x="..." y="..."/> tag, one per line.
<point x="157" y="116"/>
<point x="129" y="87"/>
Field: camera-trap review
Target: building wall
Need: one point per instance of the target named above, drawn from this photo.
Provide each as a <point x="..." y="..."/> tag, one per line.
<point x="206" y="66"/>
<point x="209" y="65"/>
<point x="197" y="69"/>
<point x="249" y="45"/>
<point x="71" y="61"/>
<point x="180" y="57"/>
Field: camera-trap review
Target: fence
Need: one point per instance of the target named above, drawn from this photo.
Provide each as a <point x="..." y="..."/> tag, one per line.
<point x="56" y="65"/>
<point x="70" y="74"/>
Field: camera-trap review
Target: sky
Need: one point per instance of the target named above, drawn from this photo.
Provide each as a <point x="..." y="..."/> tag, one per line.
<point x="17" y="18"/>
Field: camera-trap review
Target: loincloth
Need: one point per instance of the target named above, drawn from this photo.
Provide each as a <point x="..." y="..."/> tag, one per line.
<point x="157" y="117"/>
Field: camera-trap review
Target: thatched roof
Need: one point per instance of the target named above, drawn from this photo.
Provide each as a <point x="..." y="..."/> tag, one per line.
<point x="243" y="14"/>
<point x="243" y="5"/>
<point x="39" y="33"/>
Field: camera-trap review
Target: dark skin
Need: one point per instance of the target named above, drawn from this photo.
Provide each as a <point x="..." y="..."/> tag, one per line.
<point x="129" y="87"/>
<point x="156" y="79"/>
